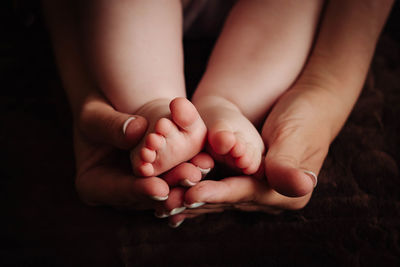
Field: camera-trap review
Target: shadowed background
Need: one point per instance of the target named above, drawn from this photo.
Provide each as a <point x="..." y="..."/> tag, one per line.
<point x="353" y="218"/>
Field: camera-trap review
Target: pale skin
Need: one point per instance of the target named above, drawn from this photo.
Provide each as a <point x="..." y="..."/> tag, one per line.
<point x="293" y="132"/>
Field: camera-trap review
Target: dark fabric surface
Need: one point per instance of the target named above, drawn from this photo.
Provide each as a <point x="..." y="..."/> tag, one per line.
<point x="353" y="219"/>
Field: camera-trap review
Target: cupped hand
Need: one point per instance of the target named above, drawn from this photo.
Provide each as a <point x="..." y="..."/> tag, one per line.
<point x="297" y="134"/>
<point x="104" y="175"/>
<point x="244" y="193"/>
<point x="102" y="138"/>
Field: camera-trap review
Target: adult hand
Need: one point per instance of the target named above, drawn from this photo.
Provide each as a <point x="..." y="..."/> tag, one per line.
<point x="297" y="136"/>
<point x="239" y="192"/>
<point x="103" y="172"/>
<point x="308" y="117"/>
<point x="104" y="175"/>
<point x="245" y="193"/>
<point x="103" y="137"/>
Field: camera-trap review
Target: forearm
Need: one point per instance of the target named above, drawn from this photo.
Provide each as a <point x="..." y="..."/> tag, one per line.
<point x="61" y="22"/>
<point x="342" y="53"/>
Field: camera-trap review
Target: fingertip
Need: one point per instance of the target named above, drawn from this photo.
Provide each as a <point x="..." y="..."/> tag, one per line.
<point x="203" y="161"/>
<point x="313" y="177"/>
<point x="134" y="129"/>
<point x="200" y="193"/>
<point x="126" y="123"/>
<point x="159" y="198"/>
<point x="288" y="181"/>
<point x="185" y="174"/>
<point x="187" y="183"/>
<point x="155" y="188"/>
<point x="194" y="205"/>
<point x="174" y="204"/>
<point x="176" y="220"/>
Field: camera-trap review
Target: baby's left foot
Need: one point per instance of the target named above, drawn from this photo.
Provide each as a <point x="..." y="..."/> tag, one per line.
<point x="232" y="137"/>
<point x="169" y="141"/>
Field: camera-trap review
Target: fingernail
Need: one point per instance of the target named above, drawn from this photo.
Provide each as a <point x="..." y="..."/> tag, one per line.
<point x="187" y="183"/>
<point x="313" y="177"/>
<point x="194" y="205"/>
<point x="176" y="211"/>
<point x="158" y="198"/>
<point x="176" y="225"/>
<point x="161" y="215"/>
<point x="126" y="123"/>
<point x="204" y="172"/>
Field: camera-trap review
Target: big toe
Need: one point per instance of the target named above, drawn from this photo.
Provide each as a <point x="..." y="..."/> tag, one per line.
<point x="221" y="141"/>
<point x="183" y="113"/>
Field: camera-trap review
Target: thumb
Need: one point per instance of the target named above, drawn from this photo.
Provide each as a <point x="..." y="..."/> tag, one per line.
<point x="294" y="159"/>
<point x="100" y="122"/>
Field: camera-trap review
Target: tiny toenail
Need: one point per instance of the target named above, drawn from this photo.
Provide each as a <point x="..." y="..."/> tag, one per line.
<point x="161" y="215"/>
<point x="187" y="183"/>
<point x="313" y="177"/>
<point x="126" y="123"/>
<point x="176" y="225"/>
<point x="204" y="172"/>
<point x="177" y="211"/>
<point x="194" y="205"/>
<point x="158" y="198"/>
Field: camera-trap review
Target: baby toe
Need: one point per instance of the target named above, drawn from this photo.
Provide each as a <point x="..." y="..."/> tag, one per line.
<point x="245" y="161"/>
<point x="164" y="127"/>
<point x="148" y="155"/>
<point x="239" y="149"/>
<point x="146" y="169"/>
<point x="155" y="141"/>
<point x="183" y="113"/>
<point x="222" y="142"/>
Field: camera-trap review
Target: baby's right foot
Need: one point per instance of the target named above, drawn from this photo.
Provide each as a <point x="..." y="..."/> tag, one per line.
<point x="232" y="138"/>
<point x="176" y="133"/>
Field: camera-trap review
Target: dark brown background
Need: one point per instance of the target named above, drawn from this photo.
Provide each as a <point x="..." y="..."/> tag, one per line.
<point x="353" y="218"/>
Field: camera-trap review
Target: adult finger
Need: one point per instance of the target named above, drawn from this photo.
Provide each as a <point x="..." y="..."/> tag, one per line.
<point x="107" y="185"/>
<point x="188" y="174"/>
<point x="185" y="174"/>
<point x="176" y="220"/>
<point x="100" y="122"/>
<point x="173" y="205"/>
<point x="204" y="162"/>
<point x="239" y="190"/>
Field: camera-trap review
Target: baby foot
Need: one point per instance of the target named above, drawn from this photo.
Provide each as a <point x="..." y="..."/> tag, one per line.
<point x="232" y="138"/>
<point x="168" y="142"/>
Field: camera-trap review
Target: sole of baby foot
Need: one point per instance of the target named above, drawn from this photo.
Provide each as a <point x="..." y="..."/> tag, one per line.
<point x="171" y="141"/>
<point x="236" y="142"/>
